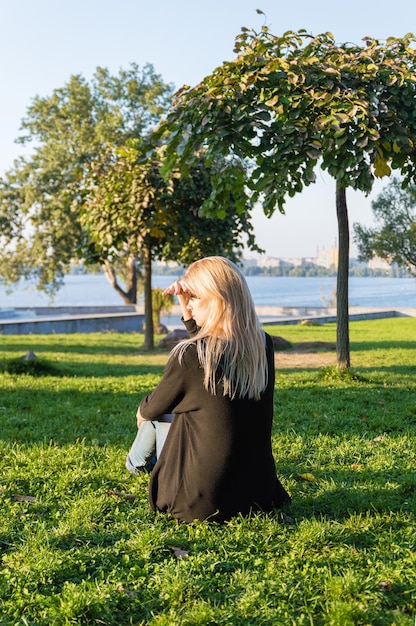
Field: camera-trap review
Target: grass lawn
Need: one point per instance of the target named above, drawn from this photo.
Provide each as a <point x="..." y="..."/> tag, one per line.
<point x="79" y="544"/>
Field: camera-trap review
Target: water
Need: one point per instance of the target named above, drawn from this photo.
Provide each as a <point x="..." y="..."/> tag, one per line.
<point x="319" y="291"/>
<point x="94" y="290"/>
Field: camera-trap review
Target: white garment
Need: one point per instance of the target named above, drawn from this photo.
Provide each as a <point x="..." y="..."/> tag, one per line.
<point x="149" y="441"/>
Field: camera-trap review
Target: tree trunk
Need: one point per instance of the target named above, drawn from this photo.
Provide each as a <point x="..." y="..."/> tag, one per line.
<point x="343" y="339"/>
<point x="131" y="279"/>
<point x="129" y="295"/>
<point x="148" y="308"/>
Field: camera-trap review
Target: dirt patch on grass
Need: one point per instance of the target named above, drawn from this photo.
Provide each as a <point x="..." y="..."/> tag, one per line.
<point x="289" y="360"/>
<point x="306" y="355"/>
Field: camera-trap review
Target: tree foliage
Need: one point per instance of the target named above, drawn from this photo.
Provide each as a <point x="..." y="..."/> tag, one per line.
<point x="394" y="236"/>
<point x="131" y="210"/>
<point x="287" y="104"/>
<point x="84" y="193"/>
<point x="130" y="205"/>
<point x="41" y="196"/>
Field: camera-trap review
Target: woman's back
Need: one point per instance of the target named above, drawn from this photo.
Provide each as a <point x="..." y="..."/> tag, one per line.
<point x="217" y="460"/>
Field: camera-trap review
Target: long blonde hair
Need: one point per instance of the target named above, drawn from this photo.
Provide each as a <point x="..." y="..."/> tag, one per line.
<point x="231" y="343"/>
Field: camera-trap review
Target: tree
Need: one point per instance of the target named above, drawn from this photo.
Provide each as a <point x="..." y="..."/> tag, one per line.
<point x="394" y="237"/>
<point x="130" y="210"/>
<point x="41" y="196"/>
<point x="288" y="104"/>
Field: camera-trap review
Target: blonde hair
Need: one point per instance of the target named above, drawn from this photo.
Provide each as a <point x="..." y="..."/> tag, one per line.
<point x="231" y="344"/>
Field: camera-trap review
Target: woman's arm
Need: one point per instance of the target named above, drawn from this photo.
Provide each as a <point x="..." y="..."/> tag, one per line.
<point x="167" y="394"/>
<point x="179" y="289"/>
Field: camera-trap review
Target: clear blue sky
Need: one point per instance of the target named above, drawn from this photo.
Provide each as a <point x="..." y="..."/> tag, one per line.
<point x="43" y="42"/>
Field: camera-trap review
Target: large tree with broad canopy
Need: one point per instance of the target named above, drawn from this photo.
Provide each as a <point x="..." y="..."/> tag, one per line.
<point x="288" y="104"/>
<point x="82" y="195"/>
<point x="67" y="132"/>
<point x="131" y="211"/>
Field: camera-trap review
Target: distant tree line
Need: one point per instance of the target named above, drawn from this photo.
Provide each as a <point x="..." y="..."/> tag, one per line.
<point x="307" y="270"/>
<point x="310" y="270"/>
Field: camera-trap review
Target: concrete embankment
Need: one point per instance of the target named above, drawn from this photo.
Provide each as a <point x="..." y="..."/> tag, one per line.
<point x="122" y="319"/>
<point x="49" y="320"/>
<point x="325" y="315"/>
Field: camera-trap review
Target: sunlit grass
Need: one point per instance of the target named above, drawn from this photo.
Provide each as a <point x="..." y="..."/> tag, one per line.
<point x="75" y="552"/>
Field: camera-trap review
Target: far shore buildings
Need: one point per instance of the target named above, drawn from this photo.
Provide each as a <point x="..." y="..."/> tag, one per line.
<point x="324" y="258"/>
<point x="271" y="261"/>
<point x="327" y="258"/>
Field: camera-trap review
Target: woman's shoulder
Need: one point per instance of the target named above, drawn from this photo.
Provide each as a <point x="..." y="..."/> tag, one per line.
<point x="184" y="353"/>
<point x="191" y="326"/>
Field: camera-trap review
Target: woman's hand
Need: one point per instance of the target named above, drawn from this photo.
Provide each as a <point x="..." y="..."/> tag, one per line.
<point x="140" y="418"/>
<point x="178" y="288"/>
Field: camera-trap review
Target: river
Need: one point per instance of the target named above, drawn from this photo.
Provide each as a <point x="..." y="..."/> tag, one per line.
<point x="94" y="290"/>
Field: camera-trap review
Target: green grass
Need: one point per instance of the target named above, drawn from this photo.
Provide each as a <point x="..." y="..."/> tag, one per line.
<point x="343" y="553"/>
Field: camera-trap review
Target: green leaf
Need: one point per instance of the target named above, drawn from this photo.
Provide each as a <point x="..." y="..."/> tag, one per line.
<point x="381" y="167"/>
<point x="313" y="153"/>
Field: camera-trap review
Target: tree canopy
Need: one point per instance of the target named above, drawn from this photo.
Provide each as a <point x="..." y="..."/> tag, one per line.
<point x="289" y="104"/>
<point x="394" y="236"/>
<point x="41" y="196"/>
<point x="89" y="193"/>
<point x="129" y="205"/>
<point x="132" y="211"/>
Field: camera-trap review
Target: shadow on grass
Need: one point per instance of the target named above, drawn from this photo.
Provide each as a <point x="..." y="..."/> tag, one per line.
<point x="358" y="346"/>
<point x="66" y="416"/>
<point x="346" y="492"/>
<point x="354" y="371"/>
<point x="60" y="369"/>
<point x="94" y="409"/>
<point x="407" y="370"/>
<point x="116" y="345"/>
<point x="135" y="347"/>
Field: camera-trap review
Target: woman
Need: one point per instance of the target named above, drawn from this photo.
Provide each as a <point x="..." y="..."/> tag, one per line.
<point x="217" y="459"/>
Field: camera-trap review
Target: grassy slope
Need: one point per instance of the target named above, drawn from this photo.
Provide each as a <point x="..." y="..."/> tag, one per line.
<point x="343" y="554"/>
